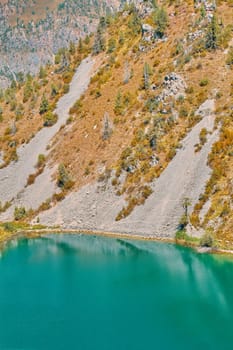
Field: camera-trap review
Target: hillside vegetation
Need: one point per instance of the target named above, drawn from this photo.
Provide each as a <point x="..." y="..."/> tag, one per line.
<point x="160" y="61"/>
<point x="126" y="124"/>
<point x="28" y="104"/>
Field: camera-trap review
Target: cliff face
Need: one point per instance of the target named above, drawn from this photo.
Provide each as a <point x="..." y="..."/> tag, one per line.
<point x="31" y="32"/>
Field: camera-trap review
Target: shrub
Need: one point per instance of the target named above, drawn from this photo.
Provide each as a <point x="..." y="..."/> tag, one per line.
<point x="40" y="160"/>
<point x="54" y="90"/>
<point x="76" y="107"/>
<point x="31" y="179"/>
<point x="114" y="182"/>
<point x="203" y="136"/>
<point x="194" y="219"/>
<point x="59" y="196"/>
<point x="207" y="240"/>
<point x="4" y="207"/>
<point x="180" y="235"/>
<point x="44" y="106"/>
<point x="8" y="226"/>
<point x="171" y="153"/>
<point x="87" y="171"/>
<point x="212" y="34"/>
<point x="13" y="155"/>
<point x="183" y="221"/>
<point x="45" y="205"/>
<point x="64" y="178"/>
<point x="229" y="59"/>
<point x="189" y="90"/>
<point x="111" y="45"/>
<point x="50" y="119"/>
<point x="183" y="112"/>
<point x="146" y="191"/>
<point x="204" y="82"/>
<point x="19" y="213"/>
<point x="69" y="120"/>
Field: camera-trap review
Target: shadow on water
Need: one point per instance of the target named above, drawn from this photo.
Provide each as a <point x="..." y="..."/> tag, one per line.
<point x="131" y="247"/>
<point x="93" y="244"/>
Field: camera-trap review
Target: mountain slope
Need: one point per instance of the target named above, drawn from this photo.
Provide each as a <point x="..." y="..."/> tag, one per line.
<point x="148" y="146"/>
<point x="185" y="176"/>
<point x="14" y="177"/>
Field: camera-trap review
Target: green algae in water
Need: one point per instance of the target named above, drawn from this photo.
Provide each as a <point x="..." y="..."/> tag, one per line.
<point x="81" y="292"/>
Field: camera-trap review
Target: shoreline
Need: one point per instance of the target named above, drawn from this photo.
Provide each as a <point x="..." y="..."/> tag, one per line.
<point x="35" y="233"/>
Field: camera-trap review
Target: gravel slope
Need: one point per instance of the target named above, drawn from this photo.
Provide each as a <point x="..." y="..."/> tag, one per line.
<point x="185" y="176"/>
<point x="13" y="178"/>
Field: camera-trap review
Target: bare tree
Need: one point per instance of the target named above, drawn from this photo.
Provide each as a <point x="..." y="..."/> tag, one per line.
<point x="127" y="73"/>
<point x="107" y="129"/>
<point x="186" y="204"/>
<point x="13" y="128"/>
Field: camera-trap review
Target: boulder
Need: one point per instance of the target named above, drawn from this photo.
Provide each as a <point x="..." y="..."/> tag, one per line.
<point x="174" y="86"/>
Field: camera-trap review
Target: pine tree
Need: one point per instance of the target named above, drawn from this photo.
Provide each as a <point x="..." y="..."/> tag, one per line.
<point x="64" y="180"/>
<point x="102" y="23"/>
<point x="135" y="22"/>
<point x="111" y="45"/>
<point x="202" y="11"/>
<point x="99" y="43"/>
<point x="13" y="84"/>
<point x="146" y="76"/>
<point x="72" y="48"/>
<point x="212" y="34"/>
<point x="44" y="106"/>
<point x="161" y="21"/>
<point x="118" y="109"/>
<point x="28" y="90"/>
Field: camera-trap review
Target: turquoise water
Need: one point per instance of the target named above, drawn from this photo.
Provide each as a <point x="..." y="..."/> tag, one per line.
<point x="78" y="292"/>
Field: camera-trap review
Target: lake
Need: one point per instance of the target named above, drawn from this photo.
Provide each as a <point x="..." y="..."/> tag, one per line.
<point x="86" y="292"/>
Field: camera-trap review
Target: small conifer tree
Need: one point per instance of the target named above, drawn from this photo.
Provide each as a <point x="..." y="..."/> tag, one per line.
<point x="161" y="21"/>
<point x="212" y="34"/>
<point x="146" y="76"/>
<point x="44" y="106"/>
